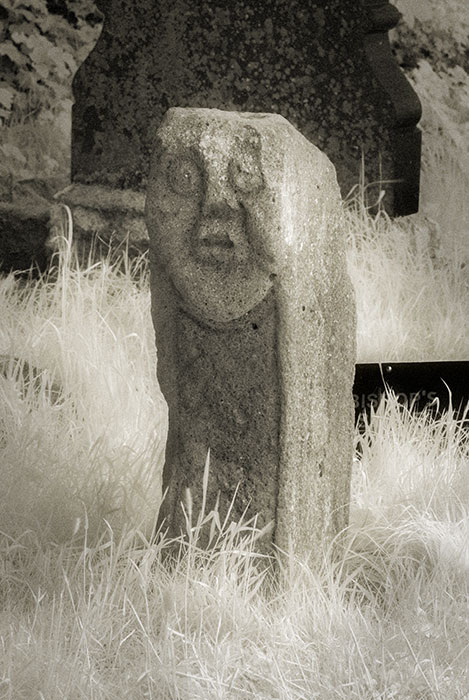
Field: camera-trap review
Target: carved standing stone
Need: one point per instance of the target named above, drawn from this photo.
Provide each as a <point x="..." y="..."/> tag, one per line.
<point x="255" y="323"/>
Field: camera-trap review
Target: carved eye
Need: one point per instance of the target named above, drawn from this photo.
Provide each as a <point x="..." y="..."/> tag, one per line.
<point x="246" y="174"/>
<point x="184" y="176"/>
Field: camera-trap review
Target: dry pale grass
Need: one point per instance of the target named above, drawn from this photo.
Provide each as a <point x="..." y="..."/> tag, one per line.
<point x="93" y="608"/>
<point x="412" y="290"/>
<point x="129" y="618"/>
<point x="93" y="444"/>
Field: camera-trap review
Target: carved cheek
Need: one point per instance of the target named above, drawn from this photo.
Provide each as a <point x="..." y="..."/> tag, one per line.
<point x="179" y="215"/>
<point x="264" y="234"/>
<point x="171" y="224"/>
<point x="174" y="205"/>
<point x="256" y="198"/>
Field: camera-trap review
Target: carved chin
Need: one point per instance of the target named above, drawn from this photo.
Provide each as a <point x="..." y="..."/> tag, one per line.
<point x="220" y="294"/>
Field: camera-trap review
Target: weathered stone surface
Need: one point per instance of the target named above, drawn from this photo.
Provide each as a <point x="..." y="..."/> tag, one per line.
<point x="325" y="66"/>
<point x="255" y="323"/>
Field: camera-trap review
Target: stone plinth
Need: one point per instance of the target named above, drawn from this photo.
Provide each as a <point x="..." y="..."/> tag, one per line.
<point x="255" y="323"/>
<point x="325" y="66"/>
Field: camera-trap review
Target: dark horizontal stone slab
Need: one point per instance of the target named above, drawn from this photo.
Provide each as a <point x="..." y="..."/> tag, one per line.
<point x="106" y="221"/>
<point x="420" y="385"/>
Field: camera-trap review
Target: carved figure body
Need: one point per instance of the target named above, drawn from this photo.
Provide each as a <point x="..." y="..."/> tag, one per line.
<point x="254" y="321"/>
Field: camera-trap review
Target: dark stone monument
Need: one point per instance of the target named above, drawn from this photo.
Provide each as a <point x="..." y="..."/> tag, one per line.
<point x="326" y="66"/>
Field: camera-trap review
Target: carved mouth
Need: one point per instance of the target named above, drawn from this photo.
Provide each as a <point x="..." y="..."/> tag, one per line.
<point x="216" y="242"/>
<point x="215" y="248"/>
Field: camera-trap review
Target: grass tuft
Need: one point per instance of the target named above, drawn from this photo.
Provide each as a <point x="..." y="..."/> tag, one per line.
<point x="86" y="435"/>
<point x="411" y="287"/>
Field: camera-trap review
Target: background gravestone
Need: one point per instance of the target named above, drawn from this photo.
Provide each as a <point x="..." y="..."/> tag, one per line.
<point x="254" y="318"/>
<point x="325" y="66"/>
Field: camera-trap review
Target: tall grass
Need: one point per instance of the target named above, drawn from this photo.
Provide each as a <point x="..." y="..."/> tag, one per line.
<point x="128" y="618"/>
<point x="92" y="607"/>
<point x="412" y="294"/>
<point x="92" y="451"/>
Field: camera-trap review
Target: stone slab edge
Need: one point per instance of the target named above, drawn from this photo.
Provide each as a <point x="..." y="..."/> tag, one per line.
<point x="112" y="215"/>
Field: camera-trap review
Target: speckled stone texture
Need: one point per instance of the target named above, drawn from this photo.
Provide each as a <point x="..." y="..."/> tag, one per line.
<point x="254" y="319"/>
<point x="326" y="66"/>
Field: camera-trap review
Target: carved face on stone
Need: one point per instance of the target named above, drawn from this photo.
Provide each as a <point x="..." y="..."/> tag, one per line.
<point x="209" y="213"/>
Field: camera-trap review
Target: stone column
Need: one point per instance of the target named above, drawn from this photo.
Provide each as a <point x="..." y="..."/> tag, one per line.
<point x="255" y="323"/>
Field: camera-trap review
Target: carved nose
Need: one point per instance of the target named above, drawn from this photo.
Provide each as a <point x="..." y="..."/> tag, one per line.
<point x="219" y="212"/>
<point x="219" y="234"/>
<point x="220" y="199"/>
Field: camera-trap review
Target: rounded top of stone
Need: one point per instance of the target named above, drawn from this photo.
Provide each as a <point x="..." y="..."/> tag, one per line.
<point x="204" y="116"/>
<point x="228" y="115"/>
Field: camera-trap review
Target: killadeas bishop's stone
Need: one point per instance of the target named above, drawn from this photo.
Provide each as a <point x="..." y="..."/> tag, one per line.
<point x="255" y="324"/>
